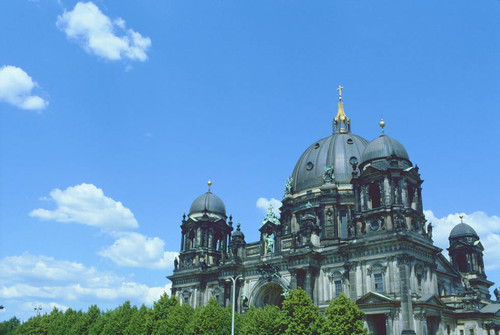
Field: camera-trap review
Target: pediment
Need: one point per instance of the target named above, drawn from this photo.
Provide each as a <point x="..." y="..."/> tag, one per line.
<point x="372" y="298"/>
<point x="432" y="300"/>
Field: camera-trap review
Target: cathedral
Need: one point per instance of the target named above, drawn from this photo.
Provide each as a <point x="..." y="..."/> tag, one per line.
<point x="351" y="222"/>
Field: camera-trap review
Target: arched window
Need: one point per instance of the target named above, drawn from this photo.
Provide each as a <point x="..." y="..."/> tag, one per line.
<point x="377" y="272"/>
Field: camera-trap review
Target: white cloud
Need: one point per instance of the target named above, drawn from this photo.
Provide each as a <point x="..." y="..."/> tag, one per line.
<point x="99" y="35"/>
<point x="38" y="278"/>
<point x="263" y="204"/>
<point x="87" y="204"/>
<point x="136" y="250"/>
<point x="15" y="89"/>
<point x="487" y="227"/>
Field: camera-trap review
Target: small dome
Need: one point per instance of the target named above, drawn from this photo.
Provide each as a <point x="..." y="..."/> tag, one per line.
<point x="383" y="147"/>
<point x="208" y="203"/>
<point x="239" y="234"/>
<point x="338" y="151"/>
<point x="463" y="230"/>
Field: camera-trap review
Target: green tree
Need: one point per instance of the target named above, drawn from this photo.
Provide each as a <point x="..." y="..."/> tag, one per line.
<point x="118" y="319"/>
<point x="300" y="315"/>
<point x="343" y="317"/>
<point x="8" y="327"/>
<point x="177" y="319"/>
<point x="211" y="319"/>
<point x="137" y="324"/>
<point x="262" y="321"/>
<point x="85" y="321"/>
<point x="160" y="312"/>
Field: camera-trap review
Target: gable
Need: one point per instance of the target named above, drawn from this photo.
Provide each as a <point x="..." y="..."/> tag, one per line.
<point x="373" y="298"/>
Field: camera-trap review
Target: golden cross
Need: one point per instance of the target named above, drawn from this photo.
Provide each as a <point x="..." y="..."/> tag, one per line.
<point x="270" y="208"/>
<point x="340" y="91"/>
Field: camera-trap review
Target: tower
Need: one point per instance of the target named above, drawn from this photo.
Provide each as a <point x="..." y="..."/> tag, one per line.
<point x="466" y="255"/>
<point x="205" y="240"/>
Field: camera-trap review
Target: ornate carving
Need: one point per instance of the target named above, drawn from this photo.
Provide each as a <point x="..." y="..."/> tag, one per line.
<point x="350" y="266"/>
<point x="351" y="229"/>
<point x="329" y="176"/>
<point x="288" y="185"/>
<point x="392" y="315"/>
<point x="244" y="302"/>
<point x="399" y="221"/>
<point x="268" y="272"/>
<point x="271" y="217"/>
<point x="429" y="230"/>
<point x="285" y="293"/>
<point x="421" y="316"/>
<point x="269" y="245"/>
<point x="404" y="259"/>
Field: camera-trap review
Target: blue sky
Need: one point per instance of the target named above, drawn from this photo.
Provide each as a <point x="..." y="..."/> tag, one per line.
<point x="114" y="114"/>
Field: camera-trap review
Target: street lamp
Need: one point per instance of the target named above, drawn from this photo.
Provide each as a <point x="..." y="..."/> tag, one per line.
<point x="233" y="279"/>
<point x="37" y="309"/>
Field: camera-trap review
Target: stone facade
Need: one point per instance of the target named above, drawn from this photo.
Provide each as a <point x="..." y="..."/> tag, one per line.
<point x="351" y="222"/>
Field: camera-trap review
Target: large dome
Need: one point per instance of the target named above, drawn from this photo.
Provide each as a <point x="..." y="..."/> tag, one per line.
<point x="334" y="151"/>
<point x="208" y="203"/>
<point x="382" y="147"/>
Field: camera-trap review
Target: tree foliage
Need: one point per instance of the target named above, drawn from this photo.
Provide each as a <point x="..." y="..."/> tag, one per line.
<point x="343" y="317"/>
<point x="298" y="316"/>
<point x="262" y="321"/>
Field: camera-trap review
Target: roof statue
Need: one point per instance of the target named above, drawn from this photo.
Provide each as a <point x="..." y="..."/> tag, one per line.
<point x="271" y="217"/>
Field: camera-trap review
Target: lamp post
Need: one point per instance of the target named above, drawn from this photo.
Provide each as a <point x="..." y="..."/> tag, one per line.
<point x="233" y="279"/>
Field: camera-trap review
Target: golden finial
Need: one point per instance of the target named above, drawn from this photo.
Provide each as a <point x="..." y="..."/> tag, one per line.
<point x="341" y="122"/>
<point x="461" y="218"/>
<point x="209" y="183"/>
<point x="382" y="124"/>
<point x="340" y="92"/>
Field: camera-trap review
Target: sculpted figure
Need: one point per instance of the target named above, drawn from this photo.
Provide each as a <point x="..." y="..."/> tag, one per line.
<point x="269" y="244"/>
<point x="288" y="186"/>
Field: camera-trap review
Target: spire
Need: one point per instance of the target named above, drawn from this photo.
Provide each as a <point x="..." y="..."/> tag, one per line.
<point x="341" y="123"/>
<point x="209" y="183"/>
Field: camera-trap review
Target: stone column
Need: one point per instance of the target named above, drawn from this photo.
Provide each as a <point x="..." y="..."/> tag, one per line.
<point x="293" y="279"/>
<point x="404" y="261"/>
<point x="198" y="238"/>
<point x="387" y="191"/>
<point x="364" y="278"/>
<point x="350" y="267"/>
<point x="183" y="238"/>
<point x="211" y="238"/>
<point x="362" y="197"/>
<point x="357" y="198"/>
<point x="404" y="193"/>
<point x="308" y="282"/>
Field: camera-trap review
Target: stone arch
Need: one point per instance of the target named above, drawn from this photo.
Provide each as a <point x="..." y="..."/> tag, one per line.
<point x="268" y="293"/>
